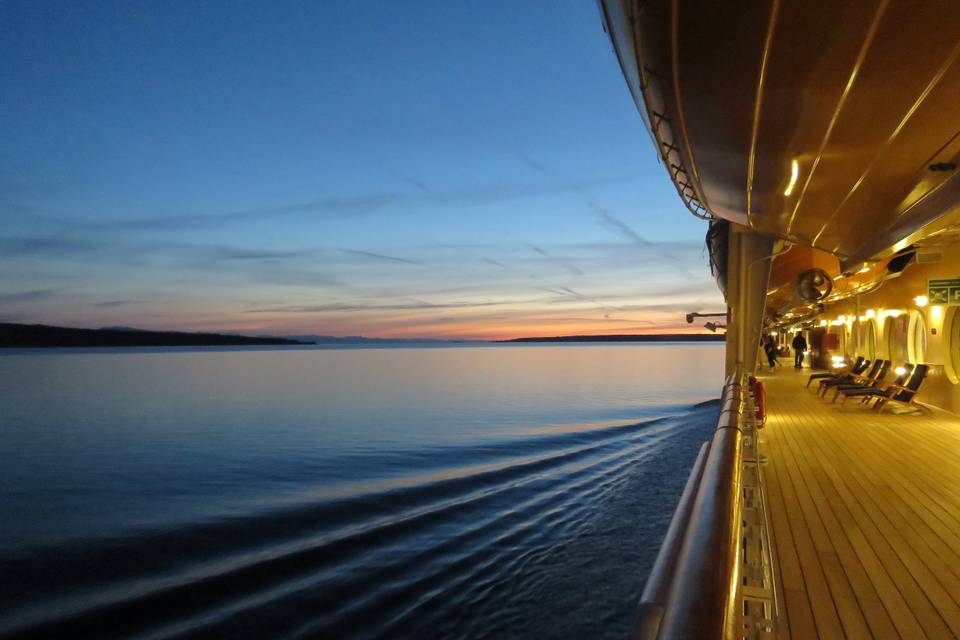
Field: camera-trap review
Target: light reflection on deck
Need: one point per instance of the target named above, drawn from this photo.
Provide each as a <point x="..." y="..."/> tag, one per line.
<point x="865" y="512"/>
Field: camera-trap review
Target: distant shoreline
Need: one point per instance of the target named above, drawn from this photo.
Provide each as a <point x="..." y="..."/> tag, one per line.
<point x="662" y="337"/>
<point x="14" y="336"/>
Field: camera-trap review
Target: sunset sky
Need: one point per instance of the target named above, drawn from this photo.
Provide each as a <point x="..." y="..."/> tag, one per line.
<point x="392" y="169"/>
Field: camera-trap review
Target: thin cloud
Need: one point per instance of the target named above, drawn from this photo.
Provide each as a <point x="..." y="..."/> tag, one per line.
<point x="566" y="294"/>
<point x="26" y="296"/>
<point x="572" y="268"/>
<point x="254" y="254"/>
<point x="412" y="305"/>
<point x="620" y="227"/>
<point x="37" y="245"/>
<point x="325" y="207"/>
<point x="414" y="182"/>
<point x="381" y="256"/>
<point x="495" y="263"/>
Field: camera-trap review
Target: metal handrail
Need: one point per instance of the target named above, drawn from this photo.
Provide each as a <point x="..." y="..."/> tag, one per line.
<point x="650" y="609"/>
<point x="690" y="591"/>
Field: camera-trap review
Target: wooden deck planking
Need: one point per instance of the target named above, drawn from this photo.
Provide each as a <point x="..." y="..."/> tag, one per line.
<point x="865" y="517"/>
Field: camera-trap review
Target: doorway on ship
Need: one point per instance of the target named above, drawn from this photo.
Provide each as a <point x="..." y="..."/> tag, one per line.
<point x="868" y="339"/>
<point x="816" y="340"/>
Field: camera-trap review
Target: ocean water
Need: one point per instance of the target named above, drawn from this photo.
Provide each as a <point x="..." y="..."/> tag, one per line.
<point x="503" y="491"/>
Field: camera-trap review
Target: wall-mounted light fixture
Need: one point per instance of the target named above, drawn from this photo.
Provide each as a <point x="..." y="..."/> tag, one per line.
<point x="695" y="314"/>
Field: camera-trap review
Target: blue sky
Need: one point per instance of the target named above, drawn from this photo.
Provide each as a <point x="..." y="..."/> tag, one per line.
<point x="468" y="169"/>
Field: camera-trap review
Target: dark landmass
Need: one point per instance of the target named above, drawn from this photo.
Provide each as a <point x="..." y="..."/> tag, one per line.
<point x="661" y="337"/>
<point x="362" y="340"/>
<point x="41" y="335"/>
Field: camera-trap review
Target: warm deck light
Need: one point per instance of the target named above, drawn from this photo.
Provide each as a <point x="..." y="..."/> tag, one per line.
<point x="842" y="319"/>
<point x="936" y="312"/>
<point x="837" y="358"/>
<point x="871" y="313"/>
<point x="773" y="334"/>
<point x="864" y="270"/>
<point x="900" y="371"/>
<point x="794" y="174"/>
<point x="823" y="323"/>
<point x="921" y="301"/>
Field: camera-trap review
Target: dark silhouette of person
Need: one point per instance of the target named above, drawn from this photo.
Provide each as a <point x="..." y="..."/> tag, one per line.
<point x="771" y="349"/>
<point x="799" y="345"/>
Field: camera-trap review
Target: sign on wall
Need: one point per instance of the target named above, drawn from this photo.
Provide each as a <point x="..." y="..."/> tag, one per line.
<point x="944" y="291"/>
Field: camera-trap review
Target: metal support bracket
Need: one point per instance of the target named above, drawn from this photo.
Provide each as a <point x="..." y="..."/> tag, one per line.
<point x="756" y="594"/>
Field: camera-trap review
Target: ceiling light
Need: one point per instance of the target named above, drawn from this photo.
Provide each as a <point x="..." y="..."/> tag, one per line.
<point x="794" y="174"/>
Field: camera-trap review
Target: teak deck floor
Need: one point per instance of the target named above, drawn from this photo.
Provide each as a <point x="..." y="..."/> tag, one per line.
<point x="865" y="516"/>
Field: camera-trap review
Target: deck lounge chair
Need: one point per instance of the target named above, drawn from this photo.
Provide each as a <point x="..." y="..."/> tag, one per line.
<point x="878" y="370"/>
<point x="905" y="394"/>
<point x="859" y="366"/>
<point x="876" y="390"/>
<point x="875" y="381"/>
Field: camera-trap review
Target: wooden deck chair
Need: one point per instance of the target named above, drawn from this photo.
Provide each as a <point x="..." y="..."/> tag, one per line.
<point x="904" y="395"/>
<point x="877" y="390"/>
<point x="874" y="382"/>
<point x="859" y="366"/>
<point x="878" y="370"/>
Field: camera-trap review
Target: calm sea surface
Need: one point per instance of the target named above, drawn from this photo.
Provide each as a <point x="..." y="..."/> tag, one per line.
<point x="463" y="492"/>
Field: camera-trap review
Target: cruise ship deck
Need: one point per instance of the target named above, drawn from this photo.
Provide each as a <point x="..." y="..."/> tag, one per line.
<point x="865" y="516"/>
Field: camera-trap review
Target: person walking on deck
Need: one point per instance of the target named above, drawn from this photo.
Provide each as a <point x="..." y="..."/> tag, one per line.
<point x="799" y="345"/>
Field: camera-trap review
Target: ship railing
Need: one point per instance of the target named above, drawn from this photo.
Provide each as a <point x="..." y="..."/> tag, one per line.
<point x="691" y="590"/>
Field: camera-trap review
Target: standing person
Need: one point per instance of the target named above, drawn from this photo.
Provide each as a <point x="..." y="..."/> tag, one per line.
<point x="799" y="345"/>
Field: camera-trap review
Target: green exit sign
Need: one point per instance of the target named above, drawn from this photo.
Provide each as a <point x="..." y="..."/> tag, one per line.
<point x="944" y="291"/>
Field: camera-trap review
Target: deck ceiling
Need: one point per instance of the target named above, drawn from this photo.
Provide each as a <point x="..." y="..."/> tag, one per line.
<point x="859" y="98"/>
